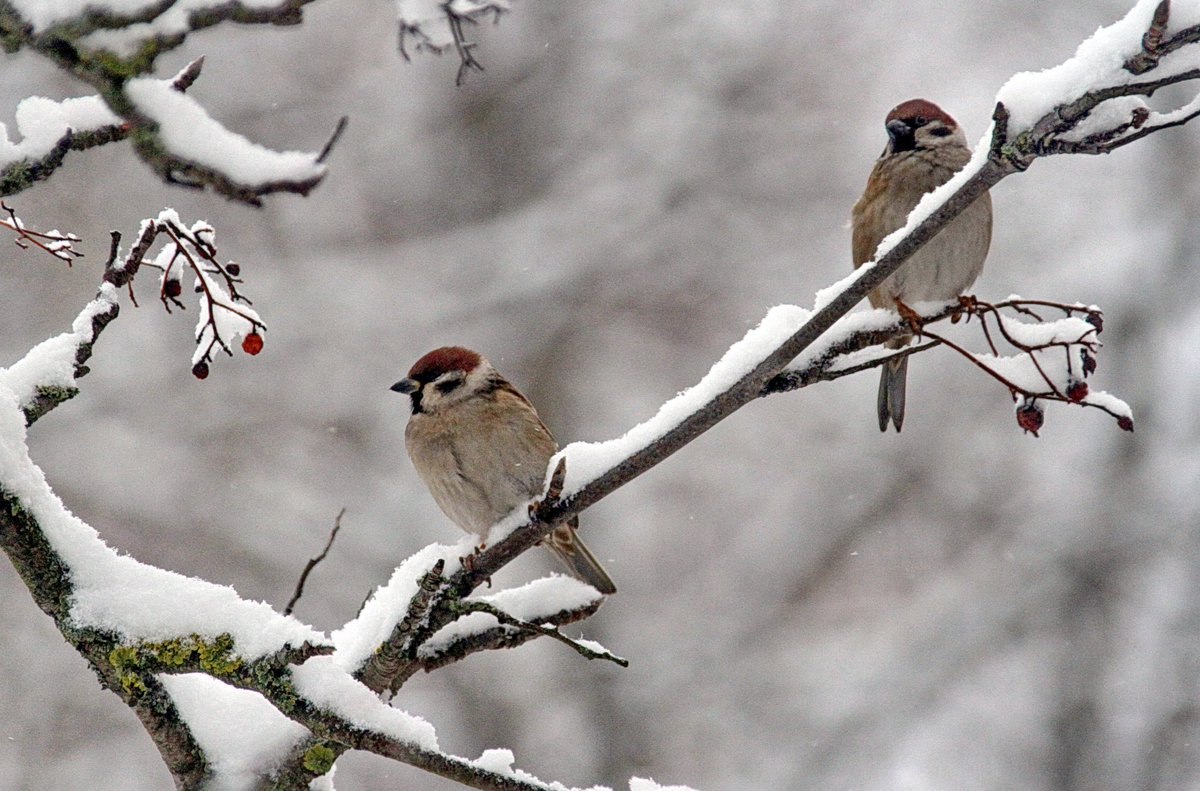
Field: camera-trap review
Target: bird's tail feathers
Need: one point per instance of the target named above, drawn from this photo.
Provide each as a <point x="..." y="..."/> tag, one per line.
<point x="582" y="564"/>
<point x="892" y="381"/>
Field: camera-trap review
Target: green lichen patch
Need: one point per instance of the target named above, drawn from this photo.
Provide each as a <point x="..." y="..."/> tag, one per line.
<point x="319" y="759"/>
<point x="133" y="663"/>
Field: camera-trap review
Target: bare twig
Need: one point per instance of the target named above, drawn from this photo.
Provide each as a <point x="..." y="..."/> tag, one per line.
<point x="59" y="245"/>
<point x="466" y="60"/>
<point x="342" y="123"/>
<point x="312" y="564"/>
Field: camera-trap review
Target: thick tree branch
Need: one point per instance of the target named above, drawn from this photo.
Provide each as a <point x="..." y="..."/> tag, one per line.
<point x="48" y="580"/>
<point x="333" y="730"/>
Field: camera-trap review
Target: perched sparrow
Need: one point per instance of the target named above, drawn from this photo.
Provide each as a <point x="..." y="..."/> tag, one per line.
<point x="925" y="148"/>
<point x="482" y="450"/>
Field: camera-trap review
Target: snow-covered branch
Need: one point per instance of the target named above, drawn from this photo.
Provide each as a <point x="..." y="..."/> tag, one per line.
<point x="111" y="48"/>
<point x="49" y="130"/>
<point x="1032" y="357"/>
<point x="469" y="636"/>
<point x="112" y="45"/>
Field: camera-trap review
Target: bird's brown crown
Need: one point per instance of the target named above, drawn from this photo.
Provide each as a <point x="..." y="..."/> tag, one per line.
<point x="440" y="361"/>
<point x="922" y="110"/>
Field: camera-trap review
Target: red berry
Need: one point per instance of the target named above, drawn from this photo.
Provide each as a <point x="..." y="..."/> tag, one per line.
<point x="1125" y="423"/>
<point x="1096" y="319"/>
<point x="172" y="288"/>
<point x="252" y="343"/>
<point x="1030" y="417"/>
<point x="233" y="269"/>
<point x="200" y="370"/>
<point x="1077" y="390"/>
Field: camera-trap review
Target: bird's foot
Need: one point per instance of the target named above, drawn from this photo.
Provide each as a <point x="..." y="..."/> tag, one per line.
<point x="914" y="319"/>
<point x="967" y="305"/>
<point x="468" y="563"/>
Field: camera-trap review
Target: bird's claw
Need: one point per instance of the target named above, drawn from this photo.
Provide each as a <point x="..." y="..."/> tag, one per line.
<point x="967" y="306"/>
<point x="914" y="319"/>
<point x="468" y="563"/>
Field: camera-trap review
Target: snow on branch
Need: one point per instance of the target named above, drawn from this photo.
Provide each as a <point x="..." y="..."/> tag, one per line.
<point x="512" y="617"/>
<point x="187" y="146"/>
<point x="437" y="25"/>
<point x="123" y="27"/>
<point x="48" y="130"/>
<point x="1095" y="103"/>
<point x="112" y="47"/>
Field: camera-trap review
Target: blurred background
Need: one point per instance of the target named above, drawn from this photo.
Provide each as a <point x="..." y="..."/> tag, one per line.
<point x="806" y="603"/>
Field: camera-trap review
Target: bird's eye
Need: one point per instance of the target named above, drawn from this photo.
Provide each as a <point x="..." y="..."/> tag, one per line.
<point x="920" y="120"/>
<point x="448" y="385"/>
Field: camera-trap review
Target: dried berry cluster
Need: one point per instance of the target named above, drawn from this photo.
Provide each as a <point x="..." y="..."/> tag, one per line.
<point x="1078" y="356"/>
<point x="225" y="312"/>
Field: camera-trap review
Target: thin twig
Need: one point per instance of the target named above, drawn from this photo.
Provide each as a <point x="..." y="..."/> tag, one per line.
<point x="466" y="60"/>
<point x="342" y="123"/>
<point x="312" y="563"/>
<point x="474" y="605"/>
<point x="61" y="246"/>
<point x="434" y="656"/>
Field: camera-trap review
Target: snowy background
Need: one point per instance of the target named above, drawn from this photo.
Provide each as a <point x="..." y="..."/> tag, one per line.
<point x="805" y="602"/>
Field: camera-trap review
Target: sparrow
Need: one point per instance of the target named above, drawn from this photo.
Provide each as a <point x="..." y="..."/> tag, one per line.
<point x="925" y="148"/>
<point x="482" y="450"/>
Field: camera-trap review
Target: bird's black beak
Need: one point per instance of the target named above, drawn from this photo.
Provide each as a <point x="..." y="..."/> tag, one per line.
<point x="411" y="388"/>
<point x="902" y="135"/>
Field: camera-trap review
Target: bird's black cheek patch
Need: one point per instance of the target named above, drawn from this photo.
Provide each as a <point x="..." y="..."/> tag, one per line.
<point x="904" y="142"/>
